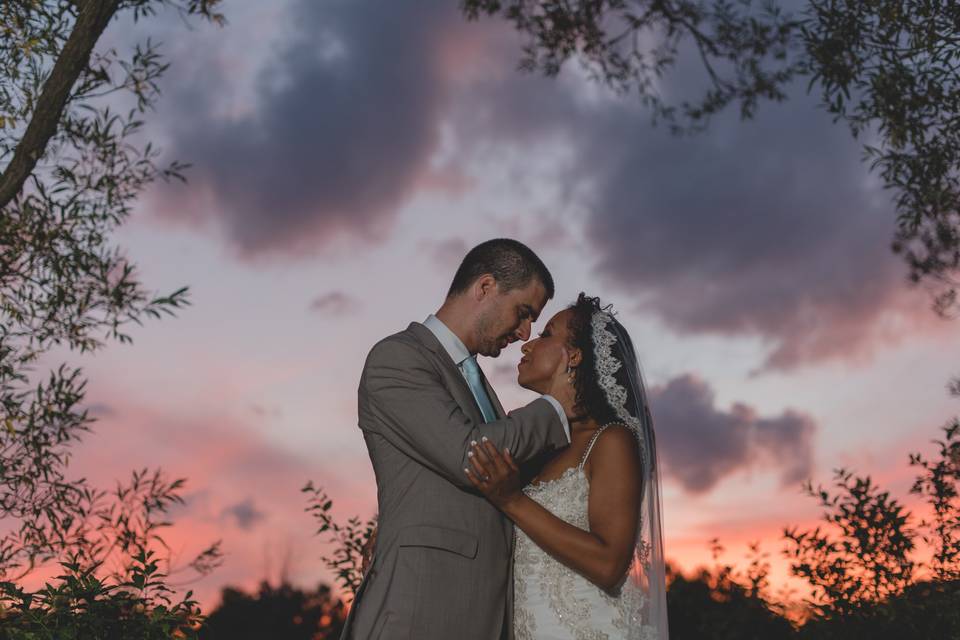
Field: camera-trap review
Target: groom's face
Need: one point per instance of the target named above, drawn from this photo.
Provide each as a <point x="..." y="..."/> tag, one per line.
<point x="508" y="317"/>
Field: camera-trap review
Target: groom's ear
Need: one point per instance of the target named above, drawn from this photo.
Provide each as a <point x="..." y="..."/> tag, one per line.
<point x="484" y="286"/>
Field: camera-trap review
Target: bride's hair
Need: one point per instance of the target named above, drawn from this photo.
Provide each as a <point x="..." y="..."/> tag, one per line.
<point x="589" y="397"/>
<point x="646" y="578"/>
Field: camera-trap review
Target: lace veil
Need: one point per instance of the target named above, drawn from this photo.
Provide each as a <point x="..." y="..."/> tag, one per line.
<point x="645" y="584"/>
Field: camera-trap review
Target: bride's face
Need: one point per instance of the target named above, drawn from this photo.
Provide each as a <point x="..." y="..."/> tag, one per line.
<point x="541" y="356"/>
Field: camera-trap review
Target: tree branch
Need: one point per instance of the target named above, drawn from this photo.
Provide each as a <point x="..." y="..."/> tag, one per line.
<point x="91" y="21"/>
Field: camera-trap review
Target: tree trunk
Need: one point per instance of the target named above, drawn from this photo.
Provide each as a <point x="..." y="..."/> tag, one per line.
<point x="93" y="17"/>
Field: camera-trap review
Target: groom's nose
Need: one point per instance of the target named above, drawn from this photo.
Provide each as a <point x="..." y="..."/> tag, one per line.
<point x="523" y="331"/>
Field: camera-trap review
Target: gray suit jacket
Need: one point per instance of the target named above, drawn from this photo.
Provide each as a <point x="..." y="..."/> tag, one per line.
<point x="442" y="565"/>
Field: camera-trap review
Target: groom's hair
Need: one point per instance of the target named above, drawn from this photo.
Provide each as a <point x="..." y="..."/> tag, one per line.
<point x="512" y="264"/>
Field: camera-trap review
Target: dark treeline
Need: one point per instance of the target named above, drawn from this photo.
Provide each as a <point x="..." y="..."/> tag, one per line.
<point x="283" y="612"/>
<point x="709" y="604"/>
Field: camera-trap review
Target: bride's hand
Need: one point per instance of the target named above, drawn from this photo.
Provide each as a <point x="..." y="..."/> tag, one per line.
<point x="495" y="474"/>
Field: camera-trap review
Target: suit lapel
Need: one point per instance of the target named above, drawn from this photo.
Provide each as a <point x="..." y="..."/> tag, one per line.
<point x="456" y="383"/>
<point x="494" y="400"/>
<point x="461" y="390"/>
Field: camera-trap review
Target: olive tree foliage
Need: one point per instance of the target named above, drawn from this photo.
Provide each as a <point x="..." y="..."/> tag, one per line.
<point x="938" y="483"/>
<point x="868" y="573"/>
<point x="888" y="69"/>
<point x="863" y="555"/>
<point x="350" y="540"/>
<point x="73" y="162"/>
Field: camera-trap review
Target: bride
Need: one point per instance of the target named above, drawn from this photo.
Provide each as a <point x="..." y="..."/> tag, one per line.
<point x="588" y="555"/>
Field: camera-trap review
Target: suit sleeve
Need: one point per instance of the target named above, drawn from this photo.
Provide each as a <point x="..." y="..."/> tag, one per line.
<point x="416" y="413"/>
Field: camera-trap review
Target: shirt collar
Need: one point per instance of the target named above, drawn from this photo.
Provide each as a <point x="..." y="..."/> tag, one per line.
<point x="451" y="343"/>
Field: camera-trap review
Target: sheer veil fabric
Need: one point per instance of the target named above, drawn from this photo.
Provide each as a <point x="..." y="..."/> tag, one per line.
<point x="614" y="353"/>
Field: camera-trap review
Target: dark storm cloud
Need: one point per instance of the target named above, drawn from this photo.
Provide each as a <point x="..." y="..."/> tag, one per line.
<point x="345" y="122"/>
<point x="244" y="513"/>
<point x="770" y="228"/>
<point x="700" y="444"/>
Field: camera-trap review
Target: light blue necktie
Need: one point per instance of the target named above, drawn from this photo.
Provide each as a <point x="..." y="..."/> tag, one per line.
<point x="471" y="370"/>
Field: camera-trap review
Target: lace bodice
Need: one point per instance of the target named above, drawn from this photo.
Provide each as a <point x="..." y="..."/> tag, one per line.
<point x="552" y="600"/>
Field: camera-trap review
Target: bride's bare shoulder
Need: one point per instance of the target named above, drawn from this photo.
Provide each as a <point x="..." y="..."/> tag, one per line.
<point x="617" y="447"/>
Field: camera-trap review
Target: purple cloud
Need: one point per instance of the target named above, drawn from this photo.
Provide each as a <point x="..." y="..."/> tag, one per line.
<point x="244" y="513"/>
<point x="335" y="303"/>
<point x="345" y="122"/>
<point x="771" y="228"/>
<point x="699" y="444"/>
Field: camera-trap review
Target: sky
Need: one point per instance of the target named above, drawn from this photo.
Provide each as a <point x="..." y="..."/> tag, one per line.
<point x="347" y="153"/>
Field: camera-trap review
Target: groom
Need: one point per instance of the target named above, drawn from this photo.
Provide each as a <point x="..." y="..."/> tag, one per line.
<point x="442" y="567"/>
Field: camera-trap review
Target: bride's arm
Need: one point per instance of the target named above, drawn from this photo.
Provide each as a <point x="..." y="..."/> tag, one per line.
<point x="603" y="554"/>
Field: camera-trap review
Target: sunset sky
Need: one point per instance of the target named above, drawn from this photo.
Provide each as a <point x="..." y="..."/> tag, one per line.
<point x="346" y="154"/>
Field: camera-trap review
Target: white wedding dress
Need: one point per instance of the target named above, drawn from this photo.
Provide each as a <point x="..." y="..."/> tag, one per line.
<point x="552" y="601"/>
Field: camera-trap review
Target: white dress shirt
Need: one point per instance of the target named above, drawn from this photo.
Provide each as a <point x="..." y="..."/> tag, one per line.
<point x="458" y="353"/>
